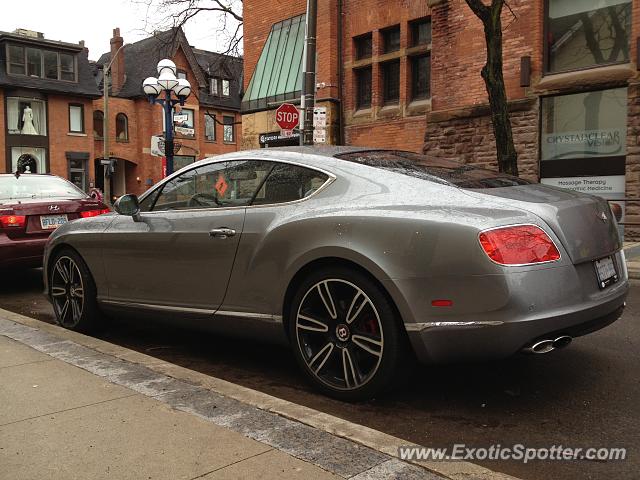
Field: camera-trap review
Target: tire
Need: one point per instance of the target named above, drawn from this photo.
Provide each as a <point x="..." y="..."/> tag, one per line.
<point x="73" y="293"/>
<point x="345" y="333"/>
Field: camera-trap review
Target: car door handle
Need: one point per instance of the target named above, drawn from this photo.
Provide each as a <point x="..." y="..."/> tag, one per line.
<point x="222" y="232"/>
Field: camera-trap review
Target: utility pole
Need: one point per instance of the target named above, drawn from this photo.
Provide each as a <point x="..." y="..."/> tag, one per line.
<point x="308" y="100"/>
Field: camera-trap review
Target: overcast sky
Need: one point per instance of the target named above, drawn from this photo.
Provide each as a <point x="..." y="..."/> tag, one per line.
<point x="93" y="21"/>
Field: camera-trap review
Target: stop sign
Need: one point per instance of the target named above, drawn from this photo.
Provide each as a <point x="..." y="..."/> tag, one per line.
<point x="287" y="116"/>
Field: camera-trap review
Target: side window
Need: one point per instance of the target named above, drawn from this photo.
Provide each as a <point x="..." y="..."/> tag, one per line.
<point x="288" y="183"/>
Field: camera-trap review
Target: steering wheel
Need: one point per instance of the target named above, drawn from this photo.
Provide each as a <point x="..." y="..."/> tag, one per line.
<point x="203" y="200"/>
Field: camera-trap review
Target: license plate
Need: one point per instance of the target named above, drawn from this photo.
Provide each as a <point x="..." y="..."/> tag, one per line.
<point x="606" y="271"/>
<point x="51" y="222"/>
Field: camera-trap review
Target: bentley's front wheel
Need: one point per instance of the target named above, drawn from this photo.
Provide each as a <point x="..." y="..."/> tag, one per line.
<point x="345" y="333"/>
<point x="73" y="292"/>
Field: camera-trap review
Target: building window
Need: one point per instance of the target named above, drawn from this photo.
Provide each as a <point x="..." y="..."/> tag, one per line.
<point x="391" y="39"/>
<point x="363" y="46"/>
<point x="363" y="88"/>
<point x="225" y="87"/>
<point x="182" y="74"/>
<point x="78" y="173"/>
<point x="76" y="118"/>
<point x="420" y="32"/>
<point x="228" y="133"/>
<point x="122" y="128"/>
<point x="28" y="160"/>
<point x="183" y="123"/>
<point x="586" y="34"/>
<point x="98" y="124"/>
<point x="36" y="62"/>
<point x="181" y="161"/>
<point x="210" y="127"/>
<point x="420" y="77"/>
<point x="390" y="82"/>
<point x="214" y="86"/>
<point x="16" y="60"/>
<point x="26" y="116"/>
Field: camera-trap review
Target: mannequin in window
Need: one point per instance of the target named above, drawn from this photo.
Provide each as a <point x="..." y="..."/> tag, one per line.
<point x="27" y="122"/>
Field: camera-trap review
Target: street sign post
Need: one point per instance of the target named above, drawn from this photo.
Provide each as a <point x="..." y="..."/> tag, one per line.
<point x="287" y="116"/>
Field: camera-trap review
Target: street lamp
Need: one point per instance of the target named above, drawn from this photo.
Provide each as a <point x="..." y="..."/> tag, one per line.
<point x="167" y="83"/>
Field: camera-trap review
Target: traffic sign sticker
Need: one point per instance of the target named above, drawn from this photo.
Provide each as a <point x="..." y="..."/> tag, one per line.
<point x="221" y="186"/>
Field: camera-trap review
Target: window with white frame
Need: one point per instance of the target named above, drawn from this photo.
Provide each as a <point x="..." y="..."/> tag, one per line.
<point x="210" y="127"/>
<point x="28" y="160"/>
<point x="214" y="86"/>
<point x="26" y="116"/>
<point x="228" y="132"/>
<point x="36" y="62"/>
<point x="225" y="87"/>
<point x="76" y="118"/>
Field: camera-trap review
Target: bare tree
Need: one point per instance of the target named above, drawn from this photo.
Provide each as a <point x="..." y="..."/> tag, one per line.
<point x="177" y="13"/>
<point x="493" y="76"/>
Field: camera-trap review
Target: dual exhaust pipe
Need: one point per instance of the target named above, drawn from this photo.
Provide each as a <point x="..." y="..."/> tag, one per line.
<point x="547" y="345"/>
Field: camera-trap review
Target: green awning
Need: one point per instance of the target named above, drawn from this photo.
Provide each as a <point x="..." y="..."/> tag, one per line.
<point x="278" y="73"/>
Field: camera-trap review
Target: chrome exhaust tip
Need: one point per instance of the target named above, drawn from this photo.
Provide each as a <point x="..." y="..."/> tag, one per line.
<point x="562" y="341"/>
<point x="543" y="346"/>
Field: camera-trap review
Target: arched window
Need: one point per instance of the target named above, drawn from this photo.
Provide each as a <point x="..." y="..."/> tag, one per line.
<point x="122" y="128"/>
<point x="98" y="123"/>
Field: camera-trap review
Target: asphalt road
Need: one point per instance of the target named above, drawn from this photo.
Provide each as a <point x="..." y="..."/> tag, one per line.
<point x="587" y="395"/>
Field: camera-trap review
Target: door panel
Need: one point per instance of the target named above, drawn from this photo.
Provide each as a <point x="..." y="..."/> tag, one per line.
<point x="171" y="258"/>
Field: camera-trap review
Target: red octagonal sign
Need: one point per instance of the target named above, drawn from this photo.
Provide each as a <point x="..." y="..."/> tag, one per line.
<point x="287" y="116"/>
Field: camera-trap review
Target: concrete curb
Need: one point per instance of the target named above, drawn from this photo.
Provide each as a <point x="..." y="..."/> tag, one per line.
<point x="365" y="436"/>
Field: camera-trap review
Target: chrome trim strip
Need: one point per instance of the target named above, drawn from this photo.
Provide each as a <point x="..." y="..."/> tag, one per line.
<point x="162" y="308"/>
<point x="256" y="316"/>
<point x="418" y="327"/>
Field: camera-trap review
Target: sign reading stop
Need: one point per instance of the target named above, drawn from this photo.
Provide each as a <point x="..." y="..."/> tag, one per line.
<point x="287" y="116"/>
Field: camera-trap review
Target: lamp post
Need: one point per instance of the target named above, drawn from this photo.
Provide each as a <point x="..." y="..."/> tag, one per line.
<point x="167" y="83"/>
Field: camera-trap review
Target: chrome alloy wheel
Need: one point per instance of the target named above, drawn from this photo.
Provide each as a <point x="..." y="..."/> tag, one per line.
<point x="339" y="334"/>
<point x="67" y="292"/>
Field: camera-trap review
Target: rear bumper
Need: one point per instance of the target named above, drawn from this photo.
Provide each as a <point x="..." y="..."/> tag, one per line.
<point x="444" y="342"/>
<point x="26" y="252"/>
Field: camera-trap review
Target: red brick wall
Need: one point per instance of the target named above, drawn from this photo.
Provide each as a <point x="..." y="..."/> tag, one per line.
<point x="60" y="140"/>
<point x="3" y="150"/>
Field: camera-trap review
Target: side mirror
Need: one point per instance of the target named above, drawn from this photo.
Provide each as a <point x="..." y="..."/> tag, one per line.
<point x="128" y="205"/>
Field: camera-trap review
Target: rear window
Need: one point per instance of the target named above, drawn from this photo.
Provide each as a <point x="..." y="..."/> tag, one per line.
<point x="433" y="169"/>
<point x="36" y="186"/>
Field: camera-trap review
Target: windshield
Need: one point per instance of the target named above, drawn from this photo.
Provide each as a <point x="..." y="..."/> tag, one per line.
<point x="32" y="186"/>
<point x="433" y="169"/>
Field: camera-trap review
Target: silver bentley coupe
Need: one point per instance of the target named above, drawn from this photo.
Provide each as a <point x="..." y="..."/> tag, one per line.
<point x="357" y="258"/>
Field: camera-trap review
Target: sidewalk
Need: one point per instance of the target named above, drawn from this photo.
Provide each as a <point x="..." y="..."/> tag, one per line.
<point x="76" y="407"/>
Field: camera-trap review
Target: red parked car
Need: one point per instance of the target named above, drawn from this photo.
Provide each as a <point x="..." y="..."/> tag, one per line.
<point x="31" y="207"/>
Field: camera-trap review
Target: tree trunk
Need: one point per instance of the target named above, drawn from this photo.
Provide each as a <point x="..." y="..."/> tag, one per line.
<point x="492" y="73"/>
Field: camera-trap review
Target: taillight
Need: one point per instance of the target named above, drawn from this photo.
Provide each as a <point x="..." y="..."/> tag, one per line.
<point x="12" y="221"/>
<point x="518" y="245"/>
<point x="93" y="213"/>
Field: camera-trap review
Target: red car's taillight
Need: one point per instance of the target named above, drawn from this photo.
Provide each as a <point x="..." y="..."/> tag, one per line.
<point x="518" y="245"/>
<point x="12" y="221"/>
<point x="93" y="213"/>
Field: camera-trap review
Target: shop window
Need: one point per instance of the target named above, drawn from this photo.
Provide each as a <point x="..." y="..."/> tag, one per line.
<point x="16" y="60"/>
<point x="26" y="116"/>
<point x="420" y="32"/>
<point x="183" y="123"/>
<point x="229" y="129"/>
<point x="586" y="34"/>
<point x="28" y="160"/>
<point x="420" y="77"/>
<point x="363" y="46"/>
<point x="76" y="118"/>
<point x="78" y="173"/>
<point x="98" y="123"/>
<point x="390" y="82"/>
<point x="363" y="87"/>
<point x="122" y="128"/>
<point x="391" y="39"/>
<point x="210" y="127"/>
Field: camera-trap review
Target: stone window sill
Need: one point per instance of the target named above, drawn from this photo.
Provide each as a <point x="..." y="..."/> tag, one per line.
<point x="363" y="112"/>
<point x="76" y="134"/>
<point x="419" y="107"/>
<point x="390" y="111"/>
<point x="593" y="76"/>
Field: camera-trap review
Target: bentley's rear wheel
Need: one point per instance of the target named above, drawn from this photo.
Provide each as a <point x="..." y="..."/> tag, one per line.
<point x="73" y="292"/>
<point x="345" y="333"/>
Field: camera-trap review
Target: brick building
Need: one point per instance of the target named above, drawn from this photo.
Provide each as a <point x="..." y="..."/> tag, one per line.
<point x="407" y="75"/>
<point x="208" y="123"/>
<point x="46" y="94"/>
